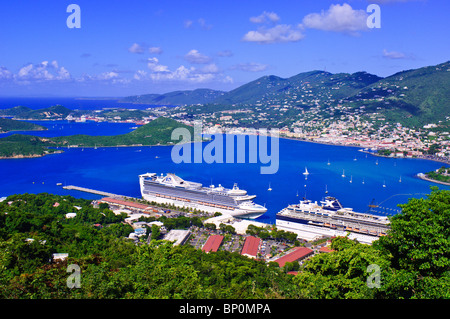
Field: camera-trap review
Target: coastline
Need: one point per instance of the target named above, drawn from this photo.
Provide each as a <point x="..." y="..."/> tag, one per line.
<point x="426" y="178"/>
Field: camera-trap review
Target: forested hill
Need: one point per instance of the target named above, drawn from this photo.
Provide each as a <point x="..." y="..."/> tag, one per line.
<point x="198" y="96"/>
<point x="8" y="125"/>
<point x="157" y="132"/>
<point x="49" y="113"/>
<point x="413" y="259"/>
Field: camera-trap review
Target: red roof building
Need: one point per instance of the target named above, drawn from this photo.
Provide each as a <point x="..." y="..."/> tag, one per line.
<point x="251" y="246"/>
<point x="124" y="203"/>
<point x="213" y="243"/>
<point x="298" y="254"/>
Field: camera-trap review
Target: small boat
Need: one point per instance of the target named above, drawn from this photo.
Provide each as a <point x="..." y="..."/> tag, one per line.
<point x="58" y="184"/>
<point x="355" y="159"/>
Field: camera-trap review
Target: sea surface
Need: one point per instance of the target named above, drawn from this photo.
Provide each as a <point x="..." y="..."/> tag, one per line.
<point x="69" y="102"/>
<point x="116" y="170"/>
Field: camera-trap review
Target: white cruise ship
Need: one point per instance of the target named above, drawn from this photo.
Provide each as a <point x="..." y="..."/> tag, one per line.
<point x="330" y="217"/>
<point x="171" y="189"/>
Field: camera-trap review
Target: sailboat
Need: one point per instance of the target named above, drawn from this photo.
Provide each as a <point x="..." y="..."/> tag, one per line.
<point x="376" y="162"/>
<point x="351" y="179"/>
<point x="400" y="180"/>
<point x="384" y="184"/>
<point x="328" y="162"/>
<point x="306" y="172"/>
<point x="363" y="181"/>
<point x="326" y="189"/>
<point x="270" y="188"/>
<point x="343" y="173"/>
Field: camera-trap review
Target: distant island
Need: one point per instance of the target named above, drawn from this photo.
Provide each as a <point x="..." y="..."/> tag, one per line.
<point x="9" y="125"/>
<point x="157" y="132"/>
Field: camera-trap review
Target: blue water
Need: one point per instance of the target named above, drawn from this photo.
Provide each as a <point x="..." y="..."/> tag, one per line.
<point x="116" y="170"/>
<point x="71" y="103"/>
<point x="64" y="128"/>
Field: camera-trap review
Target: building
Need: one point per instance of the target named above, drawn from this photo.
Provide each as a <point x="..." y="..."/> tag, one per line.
<point x="298" y="254"/>
<point x="213" y="243"/>
<point x="125" y="204"/>
<point x="179" y="236"/>
<point x="251" y="247"/>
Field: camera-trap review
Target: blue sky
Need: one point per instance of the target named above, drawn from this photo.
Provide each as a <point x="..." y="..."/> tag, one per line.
<point x="142" y="46"/>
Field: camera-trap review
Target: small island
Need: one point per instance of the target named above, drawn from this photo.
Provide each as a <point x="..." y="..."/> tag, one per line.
<point x="157" y="132"/>
<point x="9" y="125"/>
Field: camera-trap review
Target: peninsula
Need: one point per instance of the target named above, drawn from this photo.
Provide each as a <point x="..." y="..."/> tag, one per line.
<point x="156" y="132"/>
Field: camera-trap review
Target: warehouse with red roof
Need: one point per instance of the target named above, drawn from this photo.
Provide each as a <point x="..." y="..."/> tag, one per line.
<point x="298" y="254"/>
<point x="251" y="246"/>
<point x="213" y="243"/>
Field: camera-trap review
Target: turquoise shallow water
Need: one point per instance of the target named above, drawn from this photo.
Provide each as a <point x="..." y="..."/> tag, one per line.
<point x="116" y="170"/>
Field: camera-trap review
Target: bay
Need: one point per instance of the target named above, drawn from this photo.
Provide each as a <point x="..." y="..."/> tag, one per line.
<point x="116" y="170"/>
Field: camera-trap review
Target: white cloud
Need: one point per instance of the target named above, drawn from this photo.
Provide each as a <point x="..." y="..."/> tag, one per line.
<point x="277" y="34"/>
<point x="196" y="57"/>
<point x="5" y="74"/>
<point x="155" y="50"/>
<point x="265" y="17"/>
<point x="136" y="48"/>
<point x="338" y="18"/>
<point x="154" y="66"/>
<point x="43" y="71"/>
<point x="250" y="67"/>
<point x="393" y="55"/>
<point x="161" y="73"/>
<point x="187" y="24"/>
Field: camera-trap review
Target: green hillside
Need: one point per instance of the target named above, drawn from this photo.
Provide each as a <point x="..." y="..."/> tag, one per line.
<point x="7" y="125"/>
<point x="22" y="112"/>
<point x="157" y="132"/>
<point x="415" y="97"/>
<point x="198" y="96"/>
<point x="19" y="145"/>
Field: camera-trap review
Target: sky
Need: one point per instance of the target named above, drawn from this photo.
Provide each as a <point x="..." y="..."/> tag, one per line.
<point x="119" y="48"/>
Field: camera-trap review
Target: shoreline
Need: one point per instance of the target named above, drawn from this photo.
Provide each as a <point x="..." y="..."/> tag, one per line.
<point x="426" y="178"/>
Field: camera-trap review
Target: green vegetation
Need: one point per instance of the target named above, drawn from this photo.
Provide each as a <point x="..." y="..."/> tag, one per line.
<point x="198" y="96"/>
<point x="22" y="112"/>
<point x="441" y="175"/>
<point x="157" y="132"/>
<point x="413" y="259"/>
<point x="19" y="145"/>
<point x="7" y="125"/>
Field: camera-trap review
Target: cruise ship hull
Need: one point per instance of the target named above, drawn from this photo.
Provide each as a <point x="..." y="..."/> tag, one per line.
<point x="331" y="219"/>
<point x="197" y="198"/>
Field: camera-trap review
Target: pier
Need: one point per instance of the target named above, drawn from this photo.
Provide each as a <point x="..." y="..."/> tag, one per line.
<point x="92" y="191"/>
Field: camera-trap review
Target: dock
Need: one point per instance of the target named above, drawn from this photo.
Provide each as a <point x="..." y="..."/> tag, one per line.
<point x="92" y="191"/>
